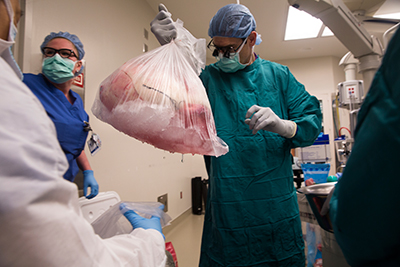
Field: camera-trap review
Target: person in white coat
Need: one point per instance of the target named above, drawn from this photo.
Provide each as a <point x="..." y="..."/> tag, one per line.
<point x="41" y="223"/>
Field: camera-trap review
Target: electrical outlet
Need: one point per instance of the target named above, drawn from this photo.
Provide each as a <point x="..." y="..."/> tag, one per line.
<point x="163" y="200"/>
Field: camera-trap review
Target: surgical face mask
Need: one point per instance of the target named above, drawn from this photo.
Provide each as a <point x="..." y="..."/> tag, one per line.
<point x="58" y="69"/>
<point x="231" y="64"/>
<point x="13" y="34"/>
<point x="8" y="56"/>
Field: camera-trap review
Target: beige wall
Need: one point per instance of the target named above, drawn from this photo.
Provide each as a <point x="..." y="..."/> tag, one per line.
<point x="321" y="76"/>
<point x="113" y="32"/>
<point x="317" y="74"/>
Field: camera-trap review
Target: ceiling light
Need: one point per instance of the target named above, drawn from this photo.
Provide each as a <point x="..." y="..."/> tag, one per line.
<point x="389" y="16"/>
<point x="390" y="9"/>
<point x="301" y="25"/>
<point x="327" y="32"/>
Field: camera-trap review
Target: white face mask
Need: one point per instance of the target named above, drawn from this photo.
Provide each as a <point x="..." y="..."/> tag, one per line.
<point x="5" y="46"/>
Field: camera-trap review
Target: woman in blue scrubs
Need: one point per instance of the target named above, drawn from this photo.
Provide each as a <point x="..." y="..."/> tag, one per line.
<point x="62" y="55"/>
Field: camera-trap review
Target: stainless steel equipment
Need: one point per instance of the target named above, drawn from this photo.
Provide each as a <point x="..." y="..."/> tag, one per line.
<point x="316" y="196"/>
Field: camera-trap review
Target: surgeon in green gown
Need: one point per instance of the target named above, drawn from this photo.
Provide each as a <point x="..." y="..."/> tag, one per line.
<point x="261" y="112"/>
<point x="365" y="208"/>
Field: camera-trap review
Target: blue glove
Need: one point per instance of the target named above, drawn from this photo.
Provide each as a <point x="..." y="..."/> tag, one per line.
<point x="89" y="181"/>
<point x="138" y="221"/>
<point x="163" y="26"/>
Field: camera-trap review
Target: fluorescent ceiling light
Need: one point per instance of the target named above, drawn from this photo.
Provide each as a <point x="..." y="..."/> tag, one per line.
<point x="389" y="16"/>
<point x="301" y="25"/>
<point x="390" y="9"/>
<point x="327" y="32"/>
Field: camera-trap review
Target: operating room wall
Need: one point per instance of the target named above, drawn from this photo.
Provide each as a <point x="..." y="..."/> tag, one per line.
<point x="113" y="32"/>
<point x="320" y="76"/>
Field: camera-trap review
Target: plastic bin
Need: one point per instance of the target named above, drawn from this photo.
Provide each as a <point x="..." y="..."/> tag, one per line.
<point x="93" y="208"/>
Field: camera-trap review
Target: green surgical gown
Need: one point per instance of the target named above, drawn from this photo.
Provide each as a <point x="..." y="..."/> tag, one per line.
<point x="365" y="207"/>
<point x="252" y="216"/>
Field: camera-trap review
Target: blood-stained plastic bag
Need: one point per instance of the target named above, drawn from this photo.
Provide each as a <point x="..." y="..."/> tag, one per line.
<point x="159" y="99"/>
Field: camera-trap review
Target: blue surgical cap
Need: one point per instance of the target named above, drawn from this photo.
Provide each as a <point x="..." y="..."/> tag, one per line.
<point x="233" y="20"/>
<point x="66" y="35"/>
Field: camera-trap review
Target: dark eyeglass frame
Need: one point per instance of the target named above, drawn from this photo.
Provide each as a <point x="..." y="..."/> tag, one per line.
<point x="64" y="53"/>
<point x="227" y="50"/>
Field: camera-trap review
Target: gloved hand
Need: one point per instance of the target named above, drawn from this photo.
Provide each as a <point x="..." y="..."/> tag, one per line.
<point x="90" y="181"/>
<point x="138" y="221"/>
<point x="163" y="26"/>
<point x="266" y="119"/>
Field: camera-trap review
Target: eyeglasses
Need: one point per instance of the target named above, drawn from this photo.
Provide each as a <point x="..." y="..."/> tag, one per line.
<point x="64" y="53"/>
<point x="226" y="51"/>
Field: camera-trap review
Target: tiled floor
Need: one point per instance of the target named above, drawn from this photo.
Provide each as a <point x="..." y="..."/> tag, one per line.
<point x="185" y="235"/>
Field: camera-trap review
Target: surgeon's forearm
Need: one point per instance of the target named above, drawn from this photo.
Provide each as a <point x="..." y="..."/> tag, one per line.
<point x="83" y="162"/>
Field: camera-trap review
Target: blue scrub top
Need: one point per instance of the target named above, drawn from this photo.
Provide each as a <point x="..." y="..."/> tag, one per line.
<point x="68" y="118"/>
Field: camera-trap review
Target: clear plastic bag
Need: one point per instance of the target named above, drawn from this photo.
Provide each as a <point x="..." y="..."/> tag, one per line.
<point x="159" y="99"/>
<point x="113" y="222"/>
<point x="314" y="245"/>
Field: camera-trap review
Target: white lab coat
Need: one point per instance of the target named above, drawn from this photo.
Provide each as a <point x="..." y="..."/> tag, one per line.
<point x="41" y="223"/>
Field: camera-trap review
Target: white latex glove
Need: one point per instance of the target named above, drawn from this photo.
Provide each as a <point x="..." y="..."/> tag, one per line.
<point x="163" y="26"/>
<point x="264" y="118"/>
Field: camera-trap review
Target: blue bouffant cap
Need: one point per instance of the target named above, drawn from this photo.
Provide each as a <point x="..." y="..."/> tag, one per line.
<point x="233" y="20"/>
<point x="66" y="35"/>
